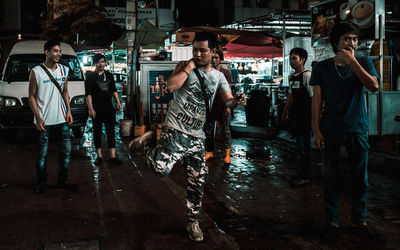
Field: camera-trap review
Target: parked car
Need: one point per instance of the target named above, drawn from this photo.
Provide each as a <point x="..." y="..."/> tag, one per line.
<point x="15" y="112"/>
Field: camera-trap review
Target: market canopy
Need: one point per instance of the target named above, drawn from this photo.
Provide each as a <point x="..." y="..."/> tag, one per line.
<point x="255" y="45"/>
<point x="148" y="36"/>
<point x="239" y="43"/>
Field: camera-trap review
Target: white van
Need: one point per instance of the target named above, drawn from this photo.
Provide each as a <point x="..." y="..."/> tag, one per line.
<point x="15" y="112"/>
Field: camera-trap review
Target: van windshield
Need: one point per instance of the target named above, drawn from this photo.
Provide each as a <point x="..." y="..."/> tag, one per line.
<point x="19" y="66"/>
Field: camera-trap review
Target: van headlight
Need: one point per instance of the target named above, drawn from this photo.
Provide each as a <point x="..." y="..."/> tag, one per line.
<point x="78" y="100"/>
<point x="8" y="101"/>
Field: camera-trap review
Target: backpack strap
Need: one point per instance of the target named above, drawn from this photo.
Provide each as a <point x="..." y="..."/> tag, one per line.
<point x="203" y="90"/>
<point x="51" y="78"/>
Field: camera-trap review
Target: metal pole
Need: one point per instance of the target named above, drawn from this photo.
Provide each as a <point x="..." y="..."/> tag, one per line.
<point x="380" y="117"/>
<point x="157" y="14"/>
<point x="131" y="56"/>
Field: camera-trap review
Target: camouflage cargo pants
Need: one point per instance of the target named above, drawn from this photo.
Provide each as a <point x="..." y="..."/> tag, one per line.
<point x="172" y="146"/>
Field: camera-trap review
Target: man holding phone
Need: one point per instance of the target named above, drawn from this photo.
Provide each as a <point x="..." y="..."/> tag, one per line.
<point x="195" y="84"/>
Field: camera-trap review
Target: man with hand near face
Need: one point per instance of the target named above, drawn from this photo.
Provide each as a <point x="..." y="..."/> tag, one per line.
<point x="340" y="82"/>
<point x="52" y="114"/>
<point x="182" y="136"/>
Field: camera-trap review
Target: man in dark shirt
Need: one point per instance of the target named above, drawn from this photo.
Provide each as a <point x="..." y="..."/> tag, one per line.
<point x="221" y="113"/>
<point x="341" y="81"/>
<point x="299" y="102"/>
<point x="100" y="89"/>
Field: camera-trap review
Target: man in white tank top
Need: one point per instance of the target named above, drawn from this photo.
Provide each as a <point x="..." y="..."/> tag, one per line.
<point x="52" y="114"/>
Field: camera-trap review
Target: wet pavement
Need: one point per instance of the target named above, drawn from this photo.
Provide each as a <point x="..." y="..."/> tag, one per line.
<point x="247" y="205"/>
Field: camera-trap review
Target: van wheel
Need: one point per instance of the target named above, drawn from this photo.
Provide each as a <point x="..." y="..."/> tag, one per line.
<point x="78" y="132"/>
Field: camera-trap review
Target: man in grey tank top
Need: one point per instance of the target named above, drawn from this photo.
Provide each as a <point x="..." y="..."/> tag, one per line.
<point x="182" y="136"/>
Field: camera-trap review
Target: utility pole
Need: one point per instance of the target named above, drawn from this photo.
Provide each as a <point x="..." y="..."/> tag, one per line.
<point x="131" y="57"/>
<point x="157" y="15"/>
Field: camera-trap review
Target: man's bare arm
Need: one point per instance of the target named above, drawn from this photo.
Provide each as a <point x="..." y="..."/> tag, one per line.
<point x="233" y="101"/>
<point x="32" y="101"/>
<point x="316" y="113"/>
<point x="180" y="74"/>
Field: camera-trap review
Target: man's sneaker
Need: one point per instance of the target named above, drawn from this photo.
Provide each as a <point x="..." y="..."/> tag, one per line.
<point x="115" y="161"/>
<point x="140" y="144"/>
<point x="363" y="230"/>
<point x="194" y="231"/>
<point x="300" y="182"/>
<point x="209" y="155"/>
<point x="330" y="231"/>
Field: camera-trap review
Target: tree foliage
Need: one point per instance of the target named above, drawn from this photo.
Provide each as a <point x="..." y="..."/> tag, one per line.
<point x="68" y="17"/>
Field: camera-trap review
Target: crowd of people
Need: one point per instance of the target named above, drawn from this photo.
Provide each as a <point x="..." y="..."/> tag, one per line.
<point x="326" y="103"/>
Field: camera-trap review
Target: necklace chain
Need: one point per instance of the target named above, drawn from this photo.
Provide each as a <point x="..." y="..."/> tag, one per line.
<point x="343" y="77"/>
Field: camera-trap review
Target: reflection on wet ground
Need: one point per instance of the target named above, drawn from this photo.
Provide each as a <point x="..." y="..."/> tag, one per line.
<point x="260" y="202"/>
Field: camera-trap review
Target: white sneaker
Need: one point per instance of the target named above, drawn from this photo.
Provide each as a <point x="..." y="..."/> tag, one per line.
<point x="194" y="231"/>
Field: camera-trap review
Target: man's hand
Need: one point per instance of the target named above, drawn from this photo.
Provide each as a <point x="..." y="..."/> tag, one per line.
<point x="119" y="106"/>
<point x="191" y="65"/>
<point x="285" y="116"/>
<point x="240" y="98"/>
<point x="40" y="126"/>
<point x="345" y="55"/>
<point x="92" y="113"/>
<point x="319" y="139"/>
<point x="69" y="118"/>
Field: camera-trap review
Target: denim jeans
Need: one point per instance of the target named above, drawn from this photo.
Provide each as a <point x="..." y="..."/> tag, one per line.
<point x="303" y="142"/>
<point x="355" y="162"/>
<point x="61" y="134"/>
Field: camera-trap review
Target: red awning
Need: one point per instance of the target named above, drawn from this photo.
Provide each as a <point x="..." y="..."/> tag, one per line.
<point x="234" y="50"/>
<point x="253" y="44"/>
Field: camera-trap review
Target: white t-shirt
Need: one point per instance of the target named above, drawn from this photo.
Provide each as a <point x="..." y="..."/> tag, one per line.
<point x="50" y="103"/>
<point x="188" y="111"/>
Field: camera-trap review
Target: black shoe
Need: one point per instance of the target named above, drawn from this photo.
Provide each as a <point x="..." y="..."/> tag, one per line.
<point x="40" y="188"/>
<point x="98" y="161"/>
<point x="363" y="230"/>
<point x="330" y="231"/>
<point x="115" y="161"/>
<point x="68" y="186"/>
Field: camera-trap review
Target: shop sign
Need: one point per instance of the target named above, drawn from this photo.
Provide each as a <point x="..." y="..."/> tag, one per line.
<point x="185" y="37"/>
<point x="117" y="15"/>
<point x="324" y="16"/>
<point x="159" y="95"/>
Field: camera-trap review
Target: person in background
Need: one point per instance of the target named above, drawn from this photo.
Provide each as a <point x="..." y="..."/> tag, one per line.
<point x="299" y="100"/>
<point x="221" y="113"/>
<point x="52" y="114"/>
<point x="100" y="89"/>
<point x="235" y="74"/>
<point x="182" y="136"/>
<point x="341" y="82"/>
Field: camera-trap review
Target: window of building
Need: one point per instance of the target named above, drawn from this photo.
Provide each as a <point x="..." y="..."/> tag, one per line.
<point x="303" y="4"/>
<point x="113" y="3"/>
<point x="246" y="3"/>
<point x="263" y="3"/>
<point x="164" y="4"/>
<point x="285" y="4"/>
